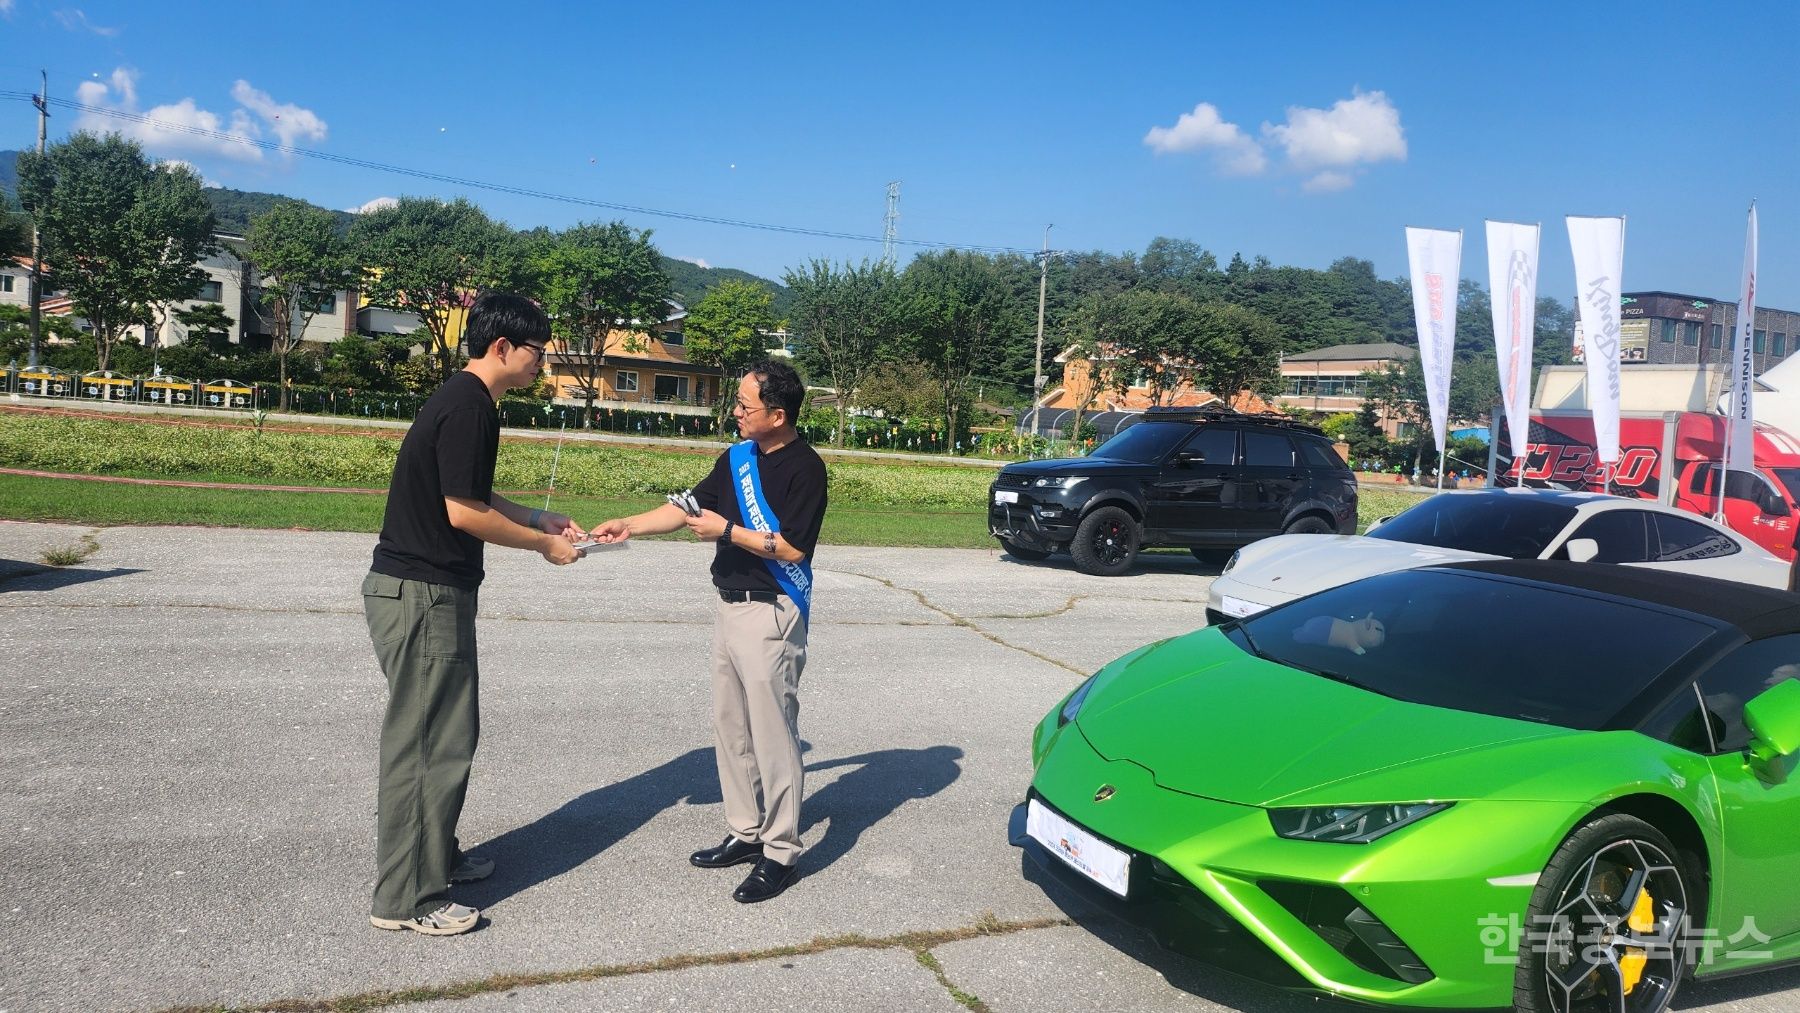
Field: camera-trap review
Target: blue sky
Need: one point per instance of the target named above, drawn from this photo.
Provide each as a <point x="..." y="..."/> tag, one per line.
<point x="1314" y="131"/>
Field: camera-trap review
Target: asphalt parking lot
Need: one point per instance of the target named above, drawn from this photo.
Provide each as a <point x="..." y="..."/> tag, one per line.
<point x="188" y="722"/>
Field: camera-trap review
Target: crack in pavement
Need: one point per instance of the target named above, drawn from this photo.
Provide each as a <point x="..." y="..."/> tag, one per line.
<point x="966" y="623"/>
<point x="917" y="942"/>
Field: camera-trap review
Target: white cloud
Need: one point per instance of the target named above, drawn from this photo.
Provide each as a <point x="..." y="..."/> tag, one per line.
<point x="696" y="261"/>
<point x="75" y="20"/>
<point x="1355" y="131"/>
<point x="1237" y="153"/>
<point x="375" y="205"/>
<point x="289" y="122"/>
<point x="6" y="7"/>
<point x="1328" y="181"/>
<point x="185" y="128"/>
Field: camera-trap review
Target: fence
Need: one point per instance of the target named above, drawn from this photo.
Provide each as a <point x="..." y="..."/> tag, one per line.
<point x="110" y="387"/>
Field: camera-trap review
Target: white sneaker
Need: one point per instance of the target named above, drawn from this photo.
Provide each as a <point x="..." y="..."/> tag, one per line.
<point x="449" y="920"/>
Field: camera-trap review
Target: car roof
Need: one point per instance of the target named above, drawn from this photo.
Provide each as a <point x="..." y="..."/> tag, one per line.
<point x="1757" y="611"/>
<point x="1587" y="502"/>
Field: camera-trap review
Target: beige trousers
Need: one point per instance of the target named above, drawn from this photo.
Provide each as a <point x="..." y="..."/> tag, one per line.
<point x="759" y="649"/>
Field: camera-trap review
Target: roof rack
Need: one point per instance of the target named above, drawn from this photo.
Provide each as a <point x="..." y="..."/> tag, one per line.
<point x="1219" y="413"/>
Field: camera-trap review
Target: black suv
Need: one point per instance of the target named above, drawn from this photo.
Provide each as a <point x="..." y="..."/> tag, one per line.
<point x="1206" y="480"/>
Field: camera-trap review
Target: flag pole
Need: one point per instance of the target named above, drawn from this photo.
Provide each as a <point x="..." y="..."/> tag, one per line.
<point x="554" y="459"/>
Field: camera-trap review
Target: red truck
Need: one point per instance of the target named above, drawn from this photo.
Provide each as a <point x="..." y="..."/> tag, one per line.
<point x="1670" y="457"/>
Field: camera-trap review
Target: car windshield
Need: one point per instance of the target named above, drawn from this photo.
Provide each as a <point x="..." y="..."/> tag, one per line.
<point x="1145" y="442"/>
<point x="1471" y="642"/>
<point x="1499" y="524"/>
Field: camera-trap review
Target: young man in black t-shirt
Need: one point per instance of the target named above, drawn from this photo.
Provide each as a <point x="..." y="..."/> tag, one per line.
<point x="762" y="504"/>
<point x="420" y="600"/>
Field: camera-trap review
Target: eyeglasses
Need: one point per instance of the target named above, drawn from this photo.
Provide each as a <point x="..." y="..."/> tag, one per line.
<point x="747" y="409"/>
<point x="536" y="350"/>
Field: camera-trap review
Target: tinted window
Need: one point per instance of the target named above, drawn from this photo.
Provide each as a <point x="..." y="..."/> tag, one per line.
<point x="1680" y="723"/>
<point x="1742" y="676"/>
<point x="1219" y="446"/>
<point x="1267" y="450"/>
<point x="1790" y="480"/>
<point x="1623" y="536"/>
<point x="1145" y="442"/>
<point x="1519" y="527"/>
<point x="1431" y="637"/>
<point x="1683" y="538"/>
<point x="1318" y="455"/>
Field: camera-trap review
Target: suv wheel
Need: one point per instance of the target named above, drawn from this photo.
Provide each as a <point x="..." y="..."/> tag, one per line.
<point x="1017" y="551"/>
<point x="1106" y="542"/>
<point x="1307" y="526"/>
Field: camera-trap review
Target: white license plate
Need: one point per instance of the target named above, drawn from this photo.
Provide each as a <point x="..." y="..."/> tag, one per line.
<point x="1238" y="607"/>
<point x="1005" y="496"/>
<point x="1079" y="850"/>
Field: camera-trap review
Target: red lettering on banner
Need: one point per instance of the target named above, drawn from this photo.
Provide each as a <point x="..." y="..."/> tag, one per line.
<point x="1540" y="471"/>
<point x="1635" y="465"/>
<point x="1573" y="464"/>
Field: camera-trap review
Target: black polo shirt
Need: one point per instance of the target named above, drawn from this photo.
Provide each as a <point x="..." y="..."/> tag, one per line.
<point x="449" y="451"/>
<point x="793" y="485"/>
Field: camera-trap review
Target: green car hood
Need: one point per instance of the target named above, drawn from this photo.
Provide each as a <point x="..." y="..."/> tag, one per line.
<point x="1211" y="720"/>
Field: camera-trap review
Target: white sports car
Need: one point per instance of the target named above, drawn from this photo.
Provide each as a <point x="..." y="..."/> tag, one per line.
<point x="1491" y="524"/>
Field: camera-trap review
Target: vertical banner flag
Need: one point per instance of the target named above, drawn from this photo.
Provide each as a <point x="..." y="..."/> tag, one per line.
<point x="1512" y="288"/>
<point x="1599" y="248"/>
<point x="1436" y="259"/>
<point x="1739" y="419"/>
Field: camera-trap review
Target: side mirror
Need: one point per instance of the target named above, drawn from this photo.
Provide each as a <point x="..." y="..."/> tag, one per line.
<point x="1581" y="550"/>
<point x="1773" y="717"/>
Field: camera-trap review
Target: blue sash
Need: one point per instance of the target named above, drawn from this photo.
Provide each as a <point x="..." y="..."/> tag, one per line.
<point x="795" y="578"/>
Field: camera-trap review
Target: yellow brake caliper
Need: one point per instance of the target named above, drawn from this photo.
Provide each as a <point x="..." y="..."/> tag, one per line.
<point x="1641" y="921"/>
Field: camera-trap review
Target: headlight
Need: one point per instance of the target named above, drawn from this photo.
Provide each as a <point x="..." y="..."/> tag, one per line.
<point x="1059" y="482"/>
<point x="1351" y="824"/>
<point x="1073" y="706"/>
<point x="1229" y="563"/>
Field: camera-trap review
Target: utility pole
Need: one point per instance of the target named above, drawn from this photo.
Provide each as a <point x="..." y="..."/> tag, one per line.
<point x="1037" y="372"/>
<point x="42" y="101"/>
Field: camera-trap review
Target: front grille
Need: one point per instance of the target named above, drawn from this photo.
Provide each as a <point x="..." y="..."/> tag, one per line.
<point x="1334" y="916"/>
<point x="1011" y="481"/>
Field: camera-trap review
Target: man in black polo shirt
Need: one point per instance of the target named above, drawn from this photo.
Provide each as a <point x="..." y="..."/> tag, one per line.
<point x="762" y="504"/>
<point x="420" y="600"/>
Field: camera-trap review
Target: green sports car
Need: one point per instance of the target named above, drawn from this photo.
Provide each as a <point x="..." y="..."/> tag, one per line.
<point x="1556" y="786"/>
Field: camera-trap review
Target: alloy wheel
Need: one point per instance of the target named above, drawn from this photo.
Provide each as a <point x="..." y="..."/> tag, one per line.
<point x="1614" y="939"/>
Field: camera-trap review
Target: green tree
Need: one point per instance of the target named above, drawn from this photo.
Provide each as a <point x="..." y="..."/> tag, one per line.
<point x="594" y="279"/>
<point x="207" y="325"/>
<point x="844" y="318"/>
<point x="727" y="330"/>
<point x="123" y="234"/>
<point x="428" y="257"/>
<point x="15" y="229"/>
<point x="956" y="308"/>
<point x="301" y="259"/>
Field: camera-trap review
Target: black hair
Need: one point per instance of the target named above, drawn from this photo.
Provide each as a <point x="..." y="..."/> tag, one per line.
<point x="497" y="315"/>
<point x="780" y="387"/>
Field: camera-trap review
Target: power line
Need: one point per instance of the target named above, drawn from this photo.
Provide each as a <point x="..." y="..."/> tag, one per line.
<point x="517" y="191"/>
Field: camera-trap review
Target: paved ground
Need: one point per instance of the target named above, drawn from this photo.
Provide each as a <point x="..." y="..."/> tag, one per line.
<point x="187" y="752"/>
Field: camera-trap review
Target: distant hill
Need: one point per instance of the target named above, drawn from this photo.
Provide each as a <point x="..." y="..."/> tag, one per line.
<point x="235" y="208"/>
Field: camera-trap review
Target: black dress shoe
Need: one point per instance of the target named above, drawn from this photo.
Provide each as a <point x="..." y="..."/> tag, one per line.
<point x="732" y="852"/>
<point x="767" y="880"/>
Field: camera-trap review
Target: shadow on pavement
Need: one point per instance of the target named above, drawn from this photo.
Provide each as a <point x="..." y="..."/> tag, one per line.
<point x="48" y="579"/>
<point x="882" y="783"/>
<point x="1726" y="994"/>
<point x="594" y="821"/>
<point x="589" y="824"/>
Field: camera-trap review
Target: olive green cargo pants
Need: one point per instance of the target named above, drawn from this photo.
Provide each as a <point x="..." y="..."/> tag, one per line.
<point x="424" y="636"/>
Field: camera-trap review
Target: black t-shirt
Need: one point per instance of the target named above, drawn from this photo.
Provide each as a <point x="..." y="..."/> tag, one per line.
<point x="449" y="451"/>
<point x="793" y="485"/>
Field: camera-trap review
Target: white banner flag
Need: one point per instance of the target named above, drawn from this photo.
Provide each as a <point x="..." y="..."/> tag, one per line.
<point x="1436" y="259"/>
<point x="1512" y="288"/>
<point x="1740" y="425"/>
<point x="1599" y="248"/>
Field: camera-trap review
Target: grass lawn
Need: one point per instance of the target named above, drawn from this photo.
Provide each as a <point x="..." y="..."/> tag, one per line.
<point x="106" y="503"/>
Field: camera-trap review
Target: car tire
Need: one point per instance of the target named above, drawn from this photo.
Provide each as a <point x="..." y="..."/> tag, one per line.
<point x="1308" y="525"/>
<point x="1106" y="542"/>
<point x="1017" y="551"/>
<point x="1574" y="952"/>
